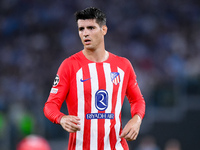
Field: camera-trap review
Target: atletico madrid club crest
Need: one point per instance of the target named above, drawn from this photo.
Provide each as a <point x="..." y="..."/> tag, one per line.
<point x="115" y="77"/>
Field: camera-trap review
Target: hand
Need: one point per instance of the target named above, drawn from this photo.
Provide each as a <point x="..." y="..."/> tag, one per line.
<point x="131" y="129"/>
<point x="70" y="123"/>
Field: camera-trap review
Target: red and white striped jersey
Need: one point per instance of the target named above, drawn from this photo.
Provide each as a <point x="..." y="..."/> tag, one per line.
<point x="95" y="91"/>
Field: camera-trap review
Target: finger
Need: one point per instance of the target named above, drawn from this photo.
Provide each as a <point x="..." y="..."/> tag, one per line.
<point x="132" y="136"/>
<point x="128" y="136"/>
<point x="124" y="133"/>
<point x="75" y="121"/>
<point x="71" y="128"/>
<point x="74" y="125"/>
<point x="135" y="137"/>
<point x="76" y="118"/>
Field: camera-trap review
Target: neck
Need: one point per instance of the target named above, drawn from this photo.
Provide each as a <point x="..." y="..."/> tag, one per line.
<point x="95" y="55"/>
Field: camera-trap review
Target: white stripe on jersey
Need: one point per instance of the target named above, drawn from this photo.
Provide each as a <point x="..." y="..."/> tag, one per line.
<point x="81" y="114"/>
<point x="94" y="88"/>
<point x="109" y="89"/>
<point x="118" y="107"/>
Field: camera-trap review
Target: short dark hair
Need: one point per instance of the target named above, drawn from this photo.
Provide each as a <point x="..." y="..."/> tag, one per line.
<point x="91" y="13"/>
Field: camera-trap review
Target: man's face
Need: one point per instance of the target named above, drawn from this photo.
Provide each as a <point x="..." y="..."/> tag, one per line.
<point x="91" y="34"/>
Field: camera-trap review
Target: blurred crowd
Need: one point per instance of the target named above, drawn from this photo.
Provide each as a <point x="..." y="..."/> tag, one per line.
<point x="160" y="38"/>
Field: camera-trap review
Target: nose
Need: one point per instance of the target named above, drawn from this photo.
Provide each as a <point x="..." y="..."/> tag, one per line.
<point x="85" y="33"/>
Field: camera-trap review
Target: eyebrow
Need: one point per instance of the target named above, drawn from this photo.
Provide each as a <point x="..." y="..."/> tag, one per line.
<point x="90" y="26"/>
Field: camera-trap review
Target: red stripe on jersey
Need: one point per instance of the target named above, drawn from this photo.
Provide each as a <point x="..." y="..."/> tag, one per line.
<point x="113" y="138"/>
<point x="101" y="122"/>
<point x="87" y="95"/>
<point x="72" y="141"/>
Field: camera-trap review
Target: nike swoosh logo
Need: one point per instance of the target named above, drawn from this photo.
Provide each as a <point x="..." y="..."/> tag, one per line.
<point x="84" y="80"/>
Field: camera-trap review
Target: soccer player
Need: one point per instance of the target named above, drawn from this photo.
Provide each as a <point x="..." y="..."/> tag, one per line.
<point x="93" y="83"/>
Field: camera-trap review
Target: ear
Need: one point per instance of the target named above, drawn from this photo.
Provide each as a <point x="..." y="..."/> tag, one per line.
<point x="104" y="29"/>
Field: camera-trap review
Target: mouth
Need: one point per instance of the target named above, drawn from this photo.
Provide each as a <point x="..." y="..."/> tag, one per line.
<point x="87" y="41"/>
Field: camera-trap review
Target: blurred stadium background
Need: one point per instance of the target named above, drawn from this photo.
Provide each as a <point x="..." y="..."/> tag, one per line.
<point x="161" y="38"/>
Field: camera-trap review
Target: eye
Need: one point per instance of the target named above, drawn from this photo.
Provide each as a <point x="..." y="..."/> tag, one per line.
<point x="81" y="29"/>
<point x="91" y="27"/>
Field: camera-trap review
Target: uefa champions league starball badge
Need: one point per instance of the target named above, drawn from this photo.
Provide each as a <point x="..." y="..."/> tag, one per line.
<point x="56" y="80"/>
